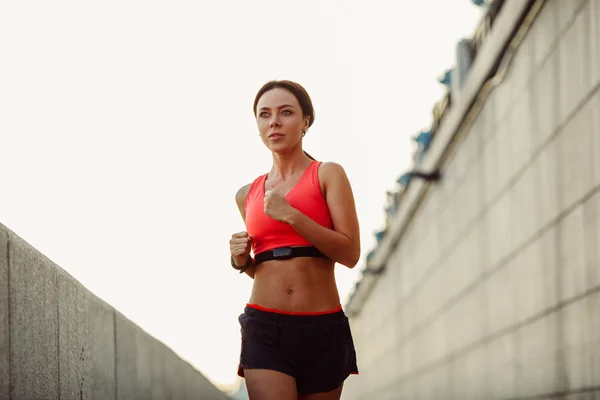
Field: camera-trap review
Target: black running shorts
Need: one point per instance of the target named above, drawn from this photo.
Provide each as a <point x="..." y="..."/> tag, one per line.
<point x="316" y="349"/>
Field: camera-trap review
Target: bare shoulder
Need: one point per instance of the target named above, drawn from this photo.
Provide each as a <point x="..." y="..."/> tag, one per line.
<point x="240" y="195"/>
<point x="333" y="178"/>
<point x="331" y="170"/>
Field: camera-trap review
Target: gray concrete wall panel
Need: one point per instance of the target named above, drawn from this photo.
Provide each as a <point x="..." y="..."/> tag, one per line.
<point x="4" y="316"/>
<point x="575" y="142"/>
<point x="493" y="289"/>
<point x="175" y="378"/>
<point x="596" y="110"/>
<point x="86" y="342"/>
<point x="538" y="346"/>
<point x="34" y="363"/>
<point x="134" y="353"/>
<point x="61" y="341"/>
<point x="99" y="352"/>
<point x="575" y="72"/>
<point x="73" y="327"/>
<point x="199" y="384"/>
<point x="594" y="11"/>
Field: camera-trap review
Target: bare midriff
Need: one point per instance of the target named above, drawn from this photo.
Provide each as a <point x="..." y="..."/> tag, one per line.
<point x="303" y="284"/>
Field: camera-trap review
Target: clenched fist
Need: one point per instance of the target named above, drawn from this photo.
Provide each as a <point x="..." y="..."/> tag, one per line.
<point x="240" y="246"/>
<point x="277" y="207"/>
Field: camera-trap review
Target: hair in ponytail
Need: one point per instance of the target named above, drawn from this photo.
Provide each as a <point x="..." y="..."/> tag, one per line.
<point x="309" y="156"/>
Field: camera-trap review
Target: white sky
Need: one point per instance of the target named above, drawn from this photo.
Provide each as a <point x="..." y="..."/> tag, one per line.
<point x="126" y="128"/>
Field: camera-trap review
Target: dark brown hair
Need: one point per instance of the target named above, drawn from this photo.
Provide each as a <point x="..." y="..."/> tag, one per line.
<point x="299" y="93"/>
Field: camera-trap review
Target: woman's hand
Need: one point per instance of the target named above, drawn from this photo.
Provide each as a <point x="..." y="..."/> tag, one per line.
<point x="240" y="246"/>
<point x="277" y="207"/>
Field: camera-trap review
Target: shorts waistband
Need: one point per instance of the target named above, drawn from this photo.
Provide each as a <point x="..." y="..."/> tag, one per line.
<point x="273" y="314"/>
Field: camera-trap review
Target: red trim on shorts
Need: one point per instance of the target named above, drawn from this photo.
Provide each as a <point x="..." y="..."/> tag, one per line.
<point x="274" y="310"/>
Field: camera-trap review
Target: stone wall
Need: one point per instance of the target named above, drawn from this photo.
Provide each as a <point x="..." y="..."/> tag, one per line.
<point x="492" y="291"/>
<point x="59" y="341"/>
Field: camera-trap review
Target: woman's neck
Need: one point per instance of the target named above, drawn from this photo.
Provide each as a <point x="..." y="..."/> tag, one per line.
<point x="287" y="164"/>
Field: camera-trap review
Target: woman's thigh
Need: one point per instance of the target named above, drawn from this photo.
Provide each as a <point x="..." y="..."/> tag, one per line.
<point x="266" y="384"/>
<point x="335" y="394"/>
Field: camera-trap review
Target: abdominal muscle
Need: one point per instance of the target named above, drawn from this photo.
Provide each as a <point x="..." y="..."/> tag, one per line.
<point x="303" y="284"/>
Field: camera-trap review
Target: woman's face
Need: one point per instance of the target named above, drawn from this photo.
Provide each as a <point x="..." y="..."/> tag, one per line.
<point x="280" y="120"/>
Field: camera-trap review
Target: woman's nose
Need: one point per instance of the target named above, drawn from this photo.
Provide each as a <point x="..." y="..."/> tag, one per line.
<point x="274" y="122"/>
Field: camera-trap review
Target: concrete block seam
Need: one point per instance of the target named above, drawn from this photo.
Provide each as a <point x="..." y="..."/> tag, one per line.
<point x="497" y="76"/>
<point x="14" y="246"/>
<point x="571" y="21"/>
<point x="560" y="394"/>
<point x="426" y="323"/>
<point x="534" y="155"/>
<point x="551" y="49"/>
<point x="560" y="326"/>
<point x="515" y="178"/>
<point x="496" y="335"/>
<point x="589" y="96"/>
<point x="501" y="264"/>
<point x="484" y="210"/>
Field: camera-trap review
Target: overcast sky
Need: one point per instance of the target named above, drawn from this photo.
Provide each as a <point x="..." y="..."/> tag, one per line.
<point x="126" y="128"/>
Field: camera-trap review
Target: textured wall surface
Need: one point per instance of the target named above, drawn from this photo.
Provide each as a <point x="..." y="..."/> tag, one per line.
<point x="59" y="341"/>
<point x="493" y="291"/>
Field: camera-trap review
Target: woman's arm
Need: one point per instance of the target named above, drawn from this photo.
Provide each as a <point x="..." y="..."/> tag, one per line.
<point x="240" y="199"/>
<point x="342" y="244"/>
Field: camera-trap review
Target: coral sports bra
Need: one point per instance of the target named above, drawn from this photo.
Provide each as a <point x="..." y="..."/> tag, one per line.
<point x="306" y="196"/>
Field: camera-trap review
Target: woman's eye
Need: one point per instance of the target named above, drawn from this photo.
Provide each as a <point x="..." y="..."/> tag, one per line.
<point x="264" y="114"/>
<point x="286" y="112"/>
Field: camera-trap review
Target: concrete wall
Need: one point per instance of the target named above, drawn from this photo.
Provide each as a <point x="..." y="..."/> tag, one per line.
<point x="493" y="290"/>
<point x="59" y="341"/>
